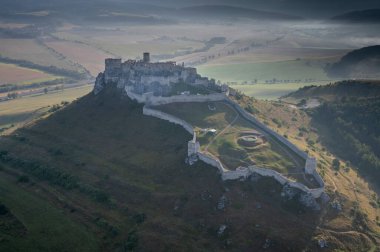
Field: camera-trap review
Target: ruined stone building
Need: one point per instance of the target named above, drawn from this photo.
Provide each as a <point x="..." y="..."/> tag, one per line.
<point x="145" y="76"/>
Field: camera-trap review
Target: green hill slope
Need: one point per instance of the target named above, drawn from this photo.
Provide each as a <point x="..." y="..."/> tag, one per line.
<point x="353" y="130"/>
<point x="338" y="90"/>
<point x="362" y="16"/>
<point x="348" y="120"/>
<point x="361" y="63"/>
<point x="122" y="175"/>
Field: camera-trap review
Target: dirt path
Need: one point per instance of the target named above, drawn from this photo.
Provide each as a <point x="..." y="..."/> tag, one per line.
<point x="222" y="131"/>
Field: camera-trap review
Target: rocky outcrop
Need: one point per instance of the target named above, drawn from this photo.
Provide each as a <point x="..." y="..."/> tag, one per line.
<point x="99" y="84"/>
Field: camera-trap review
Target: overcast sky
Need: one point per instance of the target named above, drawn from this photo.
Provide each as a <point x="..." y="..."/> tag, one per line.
<point x="305" y="8"/>
<point x="319" y="7"/>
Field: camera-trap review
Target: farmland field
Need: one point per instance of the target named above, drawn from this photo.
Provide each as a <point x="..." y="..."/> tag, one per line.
<point x="89" y="57"/>
<point x="265" y="71"/>
<point x="25" y="109"/>
<point x="130" y="43"/>
<point x="31" y="50"/>
<point x="12" y="74"/>
<point x="272" y="91"/>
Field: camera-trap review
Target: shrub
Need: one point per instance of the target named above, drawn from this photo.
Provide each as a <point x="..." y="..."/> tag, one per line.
<point x="132" y="241"/>
<point x="139" y="218"/>
<point x="23" y="179"/>
<point x="336" y="164"/>
<point x="277" y="122"/>
<point x="3" y="209"/>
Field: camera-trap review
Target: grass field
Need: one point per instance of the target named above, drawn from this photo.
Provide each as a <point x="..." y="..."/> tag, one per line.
<point x="25" y="109"/>
<point x="272" y="91"/>
<point x="12" y="74"/>
<point x="248" y="72"/>
<point x="47" y="227"/>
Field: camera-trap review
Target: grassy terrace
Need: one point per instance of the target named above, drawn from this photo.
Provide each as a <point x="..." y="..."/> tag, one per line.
<point x="227" y="144"/>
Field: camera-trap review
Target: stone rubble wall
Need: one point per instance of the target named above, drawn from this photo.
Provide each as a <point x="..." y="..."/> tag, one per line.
<point x="241" y="172"/>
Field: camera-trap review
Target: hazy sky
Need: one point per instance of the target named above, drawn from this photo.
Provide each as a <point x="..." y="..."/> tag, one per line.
<point x="306" y="8"/>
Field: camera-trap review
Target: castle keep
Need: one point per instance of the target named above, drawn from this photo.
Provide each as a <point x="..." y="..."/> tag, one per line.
<point x="143" y="76"/>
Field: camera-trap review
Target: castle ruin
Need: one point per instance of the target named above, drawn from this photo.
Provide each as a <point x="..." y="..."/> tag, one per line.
<point x="151" y="84"/>
<point x="144" y="76"/>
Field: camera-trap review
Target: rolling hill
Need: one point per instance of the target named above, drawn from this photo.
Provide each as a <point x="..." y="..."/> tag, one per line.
<point x="338" y="90"/>
<point x="362" y="16"/>
<point x="349" y="119"/>
<point x="361" y="63"/>
<point x="225" y="11"/>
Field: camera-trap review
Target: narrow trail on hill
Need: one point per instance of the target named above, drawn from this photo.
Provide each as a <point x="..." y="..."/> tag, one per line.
<point x="369" y="236"/>
<point x="225" y="129"/>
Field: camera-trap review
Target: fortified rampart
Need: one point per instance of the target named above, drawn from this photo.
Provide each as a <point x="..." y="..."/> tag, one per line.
<point x="240" y="172"/>
<point x="159" y="114"/>
<point x="267" y="130"/>
<point x="151" y="100"/>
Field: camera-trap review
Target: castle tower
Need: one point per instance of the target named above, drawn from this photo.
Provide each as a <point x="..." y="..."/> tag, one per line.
<point x="112" y="70"/>
<point x="146" y="57"/>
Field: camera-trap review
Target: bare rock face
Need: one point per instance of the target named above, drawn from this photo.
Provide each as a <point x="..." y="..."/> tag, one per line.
<point x="99" y="83"/>
<point x="306" y="199"/>
<point x="309" y="201"/>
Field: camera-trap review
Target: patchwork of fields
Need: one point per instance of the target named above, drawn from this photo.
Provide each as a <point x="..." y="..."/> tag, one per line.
<point x="243" y="55"/>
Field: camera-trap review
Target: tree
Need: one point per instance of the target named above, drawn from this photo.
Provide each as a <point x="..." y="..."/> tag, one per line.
<point x="302" y="103"/>
<point x="336" y="164"/>
<point x="13" y="95"/>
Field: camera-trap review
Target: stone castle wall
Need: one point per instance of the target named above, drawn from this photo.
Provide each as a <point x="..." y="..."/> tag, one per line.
<point x="317" y="192"/>
<point x="267" y="130"/>
<point x="212" y="161"/>
<point x="164" y="116"/>
<point x="151" y="100"/>
<point x="241" y="172"/>
<point x="164" y="80"/>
